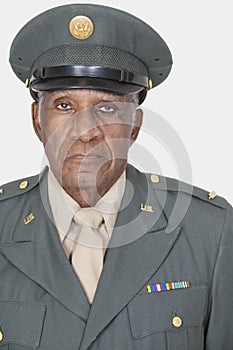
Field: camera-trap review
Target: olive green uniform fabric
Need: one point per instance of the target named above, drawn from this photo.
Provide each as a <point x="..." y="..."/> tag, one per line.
<point x="42" y="303"/>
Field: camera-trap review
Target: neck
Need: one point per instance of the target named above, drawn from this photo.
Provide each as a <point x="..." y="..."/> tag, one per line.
<point x="89" y="196"/>
<point x="86" y="197"/>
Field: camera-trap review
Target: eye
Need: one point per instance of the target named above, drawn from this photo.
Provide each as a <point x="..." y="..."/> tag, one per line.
<point x="107" y="109"/>
<point x="64" y="106"/>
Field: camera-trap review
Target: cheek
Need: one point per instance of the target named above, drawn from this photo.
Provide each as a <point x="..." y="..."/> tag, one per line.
<point x="118" y="141"/>
<point x="49" y="126"/>
<point x="117" y="131"/>
<point x="54" y="128"/>
<point x="56" y="139"/>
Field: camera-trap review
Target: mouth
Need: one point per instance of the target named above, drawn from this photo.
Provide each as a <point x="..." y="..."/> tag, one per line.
<point x="82" y="156"/>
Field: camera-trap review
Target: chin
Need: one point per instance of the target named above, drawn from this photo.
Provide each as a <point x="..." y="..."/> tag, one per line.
<point x="78" y="180"/>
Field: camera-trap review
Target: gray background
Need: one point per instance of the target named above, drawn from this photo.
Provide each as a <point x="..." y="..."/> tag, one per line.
<point x="195" y="99"/>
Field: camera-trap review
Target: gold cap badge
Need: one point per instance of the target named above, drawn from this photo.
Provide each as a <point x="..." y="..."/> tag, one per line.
<point x="81" y="27"/>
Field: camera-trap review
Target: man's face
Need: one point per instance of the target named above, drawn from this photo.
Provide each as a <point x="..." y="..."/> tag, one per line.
<point x="86" y="135"/>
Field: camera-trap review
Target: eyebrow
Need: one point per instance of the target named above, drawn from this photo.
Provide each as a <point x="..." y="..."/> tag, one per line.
<point x="105" y="96"/>
<point x="59" y="93"/>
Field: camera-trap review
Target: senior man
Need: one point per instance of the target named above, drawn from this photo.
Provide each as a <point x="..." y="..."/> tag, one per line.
<point x="86" y="259"/>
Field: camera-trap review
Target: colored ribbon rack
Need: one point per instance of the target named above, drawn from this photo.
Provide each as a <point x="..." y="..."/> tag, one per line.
<point x="161" y="287"/>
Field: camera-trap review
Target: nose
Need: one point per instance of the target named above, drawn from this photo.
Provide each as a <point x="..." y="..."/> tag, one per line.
<point x="86" y="126"/>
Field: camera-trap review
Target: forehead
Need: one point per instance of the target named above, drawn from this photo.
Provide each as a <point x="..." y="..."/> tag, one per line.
<point x="81" y="94"/>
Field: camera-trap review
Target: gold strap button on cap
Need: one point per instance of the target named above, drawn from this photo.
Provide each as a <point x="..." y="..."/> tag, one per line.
<point x="155" y="179"/>
<point x="23" y="185"/>
<point x="1" y="191"/>
<point x="27" y="83"/>
<point x="177" y="321"/>
<point x="1" y="336"/>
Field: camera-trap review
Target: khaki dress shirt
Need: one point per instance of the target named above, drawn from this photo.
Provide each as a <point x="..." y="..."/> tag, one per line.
<point x="64" y="208"/>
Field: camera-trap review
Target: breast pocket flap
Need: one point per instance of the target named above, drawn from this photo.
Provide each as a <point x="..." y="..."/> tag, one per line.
<point x="21" y="323"/>
<point x="170" y="311"/>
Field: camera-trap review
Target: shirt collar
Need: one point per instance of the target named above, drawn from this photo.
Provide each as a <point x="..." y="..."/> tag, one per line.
<point x="64" y="206"/>
<point x="110" y="203"/>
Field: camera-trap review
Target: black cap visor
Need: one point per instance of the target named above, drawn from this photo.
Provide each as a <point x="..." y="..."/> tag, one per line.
<point x="67" y="83"/>
<point x="90" y="77"/>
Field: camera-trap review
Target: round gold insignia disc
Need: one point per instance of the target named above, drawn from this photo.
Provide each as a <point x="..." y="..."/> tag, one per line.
<point x="23" y="185"/>
<point x="81" y="27"/>
<point x="177" y="322"/>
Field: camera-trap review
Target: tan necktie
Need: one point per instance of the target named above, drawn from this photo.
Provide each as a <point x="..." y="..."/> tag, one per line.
<point x="89" y="245"/>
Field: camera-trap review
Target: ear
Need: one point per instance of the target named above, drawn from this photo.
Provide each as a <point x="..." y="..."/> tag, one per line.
<point x="137" y="124"/>
<point x="36" y="120"/>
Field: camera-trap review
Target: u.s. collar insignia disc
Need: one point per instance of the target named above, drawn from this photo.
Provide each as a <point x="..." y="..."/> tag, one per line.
<point x="81" y="27"/>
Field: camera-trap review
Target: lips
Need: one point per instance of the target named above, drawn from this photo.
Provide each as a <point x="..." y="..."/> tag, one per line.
<point x="84" y="156"/>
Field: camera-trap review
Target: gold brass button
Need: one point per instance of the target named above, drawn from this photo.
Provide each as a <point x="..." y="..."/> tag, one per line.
<point x="177" y="321"/>
<point x="150" y="83"/>
<point x="23" y="185"/>
<point x="1" y="191"/>
<point x="155" y="179"/>
<point x="1" y="336"/>
<point x="212" y="195"/>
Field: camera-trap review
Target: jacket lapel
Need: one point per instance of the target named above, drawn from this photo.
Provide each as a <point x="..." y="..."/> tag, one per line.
<point x="138" y="247"/>
<point x="36" y="251"/>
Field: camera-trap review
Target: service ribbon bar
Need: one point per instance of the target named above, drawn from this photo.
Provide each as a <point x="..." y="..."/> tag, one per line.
<point x="161" y="287"/>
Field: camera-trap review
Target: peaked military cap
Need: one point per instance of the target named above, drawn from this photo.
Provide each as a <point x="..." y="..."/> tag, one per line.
<point x="89" y="46"/>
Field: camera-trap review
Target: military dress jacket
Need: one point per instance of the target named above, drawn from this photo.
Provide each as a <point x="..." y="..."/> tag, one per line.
<point x="167" y="281"/>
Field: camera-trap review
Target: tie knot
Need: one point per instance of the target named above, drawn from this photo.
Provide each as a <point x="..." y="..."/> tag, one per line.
<point x="90" y="217"/>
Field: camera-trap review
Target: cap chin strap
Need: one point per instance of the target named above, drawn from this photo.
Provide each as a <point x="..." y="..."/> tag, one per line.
<point x="119" y="75"/>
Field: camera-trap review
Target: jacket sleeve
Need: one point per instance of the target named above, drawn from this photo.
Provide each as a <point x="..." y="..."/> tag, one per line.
<point x="219" y="334"/>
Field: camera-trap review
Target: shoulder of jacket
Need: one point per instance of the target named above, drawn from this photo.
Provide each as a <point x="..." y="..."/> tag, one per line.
<point x="173" y="185"/>
<point x="19" y="187"/>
